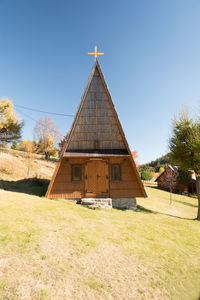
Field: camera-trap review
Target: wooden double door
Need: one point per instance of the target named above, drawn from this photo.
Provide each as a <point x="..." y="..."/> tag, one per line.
<point x="97" y="178"/>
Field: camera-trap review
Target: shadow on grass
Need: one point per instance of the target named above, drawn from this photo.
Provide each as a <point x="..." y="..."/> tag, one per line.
<point x="185" y="203"/>
<point x="173" y="200"/>
<point x="33" y="186"/>
<point x="145" y="210"/>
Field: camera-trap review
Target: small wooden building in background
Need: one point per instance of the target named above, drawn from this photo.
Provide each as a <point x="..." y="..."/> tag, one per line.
<point x="169" y="179"/>
<point x="96" y="160"/>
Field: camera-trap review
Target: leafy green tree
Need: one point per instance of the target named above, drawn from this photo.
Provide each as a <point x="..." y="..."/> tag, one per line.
<point x="185" y="147"/>
<point x="146" y="175"/>
<point x="10" y="126"/>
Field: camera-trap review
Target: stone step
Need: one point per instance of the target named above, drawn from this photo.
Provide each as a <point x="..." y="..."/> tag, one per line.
<point x="97" y="202"/>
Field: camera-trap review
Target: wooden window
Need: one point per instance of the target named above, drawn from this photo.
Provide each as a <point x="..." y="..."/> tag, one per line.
<point x="76" y="172"/>
<point x="116" y="172"/>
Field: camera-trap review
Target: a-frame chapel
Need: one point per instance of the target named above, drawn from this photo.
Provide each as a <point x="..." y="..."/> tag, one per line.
<point x="96" y="160"/>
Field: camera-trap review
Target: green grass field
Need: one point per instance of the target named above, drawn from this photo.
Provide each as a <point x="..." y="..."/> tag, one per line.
<point x="55" y="249"/>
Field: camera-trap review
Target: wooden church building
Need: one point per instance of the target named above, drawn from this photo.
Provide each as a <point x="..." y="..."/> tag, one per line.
<point x="96" y="160"/>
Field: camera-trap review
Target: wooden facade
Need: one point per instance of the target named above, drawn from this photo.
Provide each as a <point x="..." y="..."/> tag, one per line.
<point x="96" y="160"/>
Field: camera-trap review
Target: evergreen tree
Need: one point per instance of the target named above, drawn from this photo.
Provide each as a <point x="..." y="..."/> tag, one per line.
<point x="10" y="126"/>
<point x="185" y="147"/>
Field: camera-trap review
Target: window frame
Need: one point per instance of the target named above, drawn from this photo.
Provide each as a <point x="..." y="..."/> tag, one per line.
<point x="72" y="172"/>
<point x="112" y="172"/>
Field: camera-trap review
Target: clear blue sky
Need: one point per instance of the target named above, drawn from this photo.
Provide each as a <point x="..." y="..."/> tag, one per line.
<point x="151" y="62"/>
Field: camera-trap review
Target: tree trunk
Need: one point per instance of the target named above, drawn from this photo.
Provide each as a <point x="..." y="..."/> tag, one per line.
<point x="47" y="155"/>
<point x="198" y="195"/>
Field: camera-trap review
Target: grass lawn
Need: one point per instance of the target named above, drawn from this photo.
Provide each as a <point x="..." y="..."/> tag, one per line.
<point x="55" y="249"/>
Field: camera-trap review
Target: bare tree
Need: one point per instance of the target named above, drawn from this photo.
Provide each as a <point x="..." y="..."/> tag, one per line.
<point x="46" y="134"/>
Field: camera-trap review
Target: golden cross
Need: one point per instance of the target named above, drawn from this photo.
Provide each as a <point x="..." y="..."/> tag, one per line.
<point x="95" y="53"/>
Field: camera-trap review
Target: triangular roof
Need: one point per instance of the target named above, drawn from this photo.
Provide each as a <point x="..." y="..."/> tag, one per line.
<point x="173" y="168"/>
<point x="95" y="109"/>
<point x="176" y="170"/>
<point x="96" y="120"/>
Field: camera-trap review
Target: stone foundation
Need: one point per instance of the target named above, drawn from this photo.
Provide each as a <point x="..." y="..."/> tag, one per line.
<point x="97" y="202"/>
<point x="124" y="203"/>
<point x="107" y="203"/>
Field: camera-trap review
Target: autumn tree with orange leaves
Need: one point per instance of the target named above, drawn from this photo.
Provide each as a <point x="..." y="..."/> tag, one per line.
<point x="63" y="141"/>
<point x="135" y="156"/>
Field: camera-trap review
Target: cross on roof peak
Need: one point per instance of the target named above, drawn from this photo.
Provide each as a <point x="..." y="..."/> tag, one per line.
<point x="95" y="53"/>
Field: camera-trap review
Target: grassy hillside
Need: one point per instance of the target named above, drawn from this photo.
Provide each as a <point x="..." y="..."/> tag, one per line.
<point x="17" y="165"/>
<point x="56" y="249"/>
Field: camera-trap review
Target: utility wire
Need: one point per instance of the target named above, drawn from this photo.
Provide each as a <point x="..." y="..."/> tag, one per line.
<point x="21" y="112"/>
<point x="42" y="111"/>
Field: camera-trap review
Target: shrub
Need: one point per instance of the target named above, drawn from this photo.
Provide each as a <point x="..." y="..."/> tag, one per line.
<point x="146" y="175"/>
<point x="14" y="145"/>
